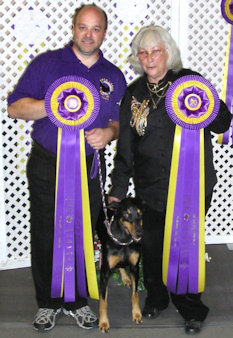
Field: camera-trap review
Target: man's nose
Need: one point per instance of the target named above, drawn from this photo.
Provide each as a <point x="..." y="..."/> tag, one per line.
<point x="88" y="32"/>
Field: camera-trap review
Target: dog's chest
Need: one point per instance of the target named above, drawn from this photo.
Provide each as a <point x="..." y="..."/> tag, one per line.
<point x="122" y="256"/>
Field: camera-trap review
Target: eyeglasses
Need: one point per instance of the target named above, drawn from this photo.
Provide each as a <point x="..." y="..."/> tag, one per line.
<point x="154" y="53"/>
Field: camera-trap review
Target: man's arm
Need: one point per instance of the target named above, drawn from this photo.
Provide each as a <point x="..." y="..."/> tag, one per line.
<point x="27" y="109"/>
<point x="98" y="138"/>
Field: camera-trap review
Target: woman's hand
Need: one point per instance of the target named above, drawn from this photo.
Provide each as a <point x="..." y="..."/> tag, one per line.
<point x="113" y="199"/>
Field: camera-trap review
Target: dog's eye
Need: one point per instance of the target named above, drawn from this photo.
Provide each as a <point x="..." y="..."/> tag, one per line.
<point x="139" y="213"/>
<point x="125" y="215"/>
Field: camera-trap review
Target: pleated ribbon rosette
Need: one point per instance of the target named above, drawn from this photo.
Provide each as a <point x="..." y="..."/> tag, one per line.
<point x="72" y="103"/>
<point x="192" y="103"/>
<point x="227" y="91"/>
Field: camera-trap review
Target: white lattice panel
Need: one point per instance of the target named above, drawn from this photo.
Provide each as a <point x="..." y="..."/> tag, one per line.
<point x="207" y="38"/>
<point x="32" y="27"/>
<point x="47" y="25"/>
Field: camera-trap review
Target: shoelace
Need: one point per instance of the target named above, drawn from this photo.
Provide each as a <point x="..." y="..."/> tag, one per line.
<point x="44" y="315"/>
<point x="86" y="311"/>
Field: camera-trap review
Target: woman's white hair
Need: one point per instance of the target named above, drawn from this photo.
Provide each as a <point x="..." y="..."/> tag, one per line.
<point x="151" y="36"/>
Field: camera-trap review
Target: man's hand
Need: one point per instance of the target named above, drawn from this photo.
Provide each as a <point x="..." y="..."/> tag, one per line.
<point x="98" y="138"/>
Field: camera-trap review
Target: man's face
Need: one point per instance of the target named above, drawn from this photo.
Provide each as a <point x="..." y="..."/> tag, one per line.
<point x="89" y="31"/>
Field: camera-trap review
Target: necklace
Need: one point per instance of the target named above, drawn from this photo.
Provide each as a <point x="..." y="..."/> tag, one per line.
<point x="159" y="92"/>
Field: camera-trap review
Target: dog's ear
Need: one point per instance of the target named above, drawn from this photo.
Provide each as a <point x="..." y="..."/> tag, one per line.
<point x="143" y="205"/>
<point x="140" y="203"/>
<point x="113" y="206"/>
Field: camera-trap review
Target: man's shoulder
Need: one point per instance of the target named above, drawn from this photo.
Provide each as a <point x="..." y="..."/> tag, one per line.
<point x="112" y="67"/>
<point x="49" y="54"/>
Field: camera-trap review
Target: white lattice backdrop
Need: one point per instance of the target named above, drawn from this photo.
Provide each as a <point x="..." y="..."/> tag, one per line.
<point x="32" y="27"/>
<point x="207" y="38"/>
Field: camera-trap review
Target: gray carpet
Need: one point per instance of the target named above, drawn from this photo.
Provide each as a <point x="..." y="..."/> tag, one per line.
<point x="18" y="305"/>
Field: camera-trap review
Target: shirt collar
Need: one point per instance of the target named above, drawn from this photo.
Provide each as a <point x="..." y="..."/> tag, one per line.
<point x="166" y="78"/>
<point x="68" y="55"/>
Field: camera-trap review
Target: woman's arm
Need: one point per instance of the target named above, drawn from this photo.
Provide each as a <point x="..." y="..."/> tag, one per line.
<point x="222" y="121"/>
<point x="123" y="162"/>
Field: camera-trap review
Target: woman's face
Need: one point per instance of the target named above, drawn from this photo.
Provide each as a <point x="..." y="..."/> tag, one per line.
<point x="154" y="62"/>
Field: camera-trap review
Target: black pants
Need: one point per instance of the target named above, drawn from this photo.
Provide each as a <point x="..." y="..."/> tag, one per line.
<point x="41" y="173"/>
<point x="189" y="306"/>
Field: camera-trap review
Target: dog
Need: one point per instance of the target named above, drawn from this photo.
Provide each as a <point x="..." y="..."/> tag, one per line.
<point x="120" y="248"/>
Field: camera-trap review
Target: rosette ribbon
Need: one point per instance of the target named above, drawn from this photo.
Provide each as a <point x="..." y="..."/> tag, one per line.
<point x="72" y="103"/>
<point x="227" y="91"/>
<point x="192" y="103"/>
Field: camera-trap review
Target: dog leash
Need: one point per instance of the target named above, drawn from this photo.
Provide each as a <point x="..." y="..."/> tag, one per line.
<point x="107" y="222"/>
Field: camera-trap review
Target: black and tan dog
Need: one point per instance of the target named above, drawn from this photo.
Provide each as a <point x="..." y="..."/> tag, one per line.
<point x="121" y="248"/>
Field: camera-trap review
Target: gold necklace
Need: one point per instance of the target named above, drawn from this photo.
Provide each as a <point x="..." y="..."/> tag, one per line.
<point x="154" y="88"/>
<point x="160" y="93"/>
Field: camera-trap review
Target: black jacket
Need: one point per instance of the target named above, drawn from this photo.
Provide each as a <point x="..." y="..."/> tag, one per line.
<point x="148" y="158"/>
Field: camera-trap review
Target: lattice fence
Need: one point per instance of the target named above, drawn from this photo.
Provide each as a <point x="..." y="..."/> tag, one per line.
<point x="32" y="27"/>
<point x="207" y="37"/>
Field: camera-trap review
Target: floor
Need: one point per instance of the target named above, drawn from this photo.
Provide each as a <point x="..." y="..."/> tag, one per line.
<point x="18" y="305"/>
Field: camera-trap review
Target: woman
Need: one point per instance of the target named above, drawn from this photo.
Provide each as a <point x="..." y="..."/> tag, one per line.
<point x="144" y="152"/>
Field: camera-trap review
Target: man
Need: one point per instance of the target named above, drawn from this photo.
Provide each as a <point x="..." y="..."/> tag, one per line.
<point x="82" y="57"/>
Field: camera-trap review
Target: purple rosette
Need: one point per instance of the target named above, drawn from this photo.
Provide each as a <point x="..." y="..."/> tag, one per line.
<point x="227" y="10"/>
<point x="192" y="102"/>
<point x="72" y="102"/>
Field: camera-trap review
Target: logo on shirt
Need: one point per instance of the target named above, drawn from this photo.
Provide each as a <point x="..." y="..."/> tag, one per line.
<point x="106" y="88"/>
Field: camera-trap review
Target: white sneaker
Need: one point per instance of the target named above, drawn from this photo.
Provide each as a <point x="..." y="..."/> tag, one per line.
<point x="45" y="319"/>
<point x="85" y="317"/>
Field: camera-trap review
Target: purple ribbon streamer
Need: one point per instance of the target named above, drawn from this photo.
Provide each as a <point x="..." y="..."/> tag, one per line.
<point x="229" y="87"/>
<point x="58" y="236"/>
<point x="68" y="234"/>
<point x="226" y="135"/>
<point x="183" y="259"/>
<point x="80" y="260"/>
<point x="94" y="166"/>
<point x="68" y="145"/>
<point x="63" y="252"/>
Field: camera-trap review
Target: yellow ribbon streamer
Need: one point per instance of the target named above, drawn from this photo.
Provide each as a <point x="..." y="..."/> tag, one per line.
<point x="87" y="229"/>
<point x="170" y="201"/>
<point x="201" y="273"/>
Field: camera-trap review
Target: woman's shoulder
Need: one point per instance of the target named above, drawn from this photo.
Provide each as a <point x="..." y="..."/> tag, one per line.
<point x="185" y="72"/>
<point x="136" y="84"/>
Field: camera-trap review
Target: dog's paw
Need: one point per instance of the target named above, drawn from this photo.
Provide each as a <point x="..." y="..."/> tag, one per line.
<point x="104" y="326"/>
<point x="137" y="317"/>
<point x="126" y="282"/>
<point x="125" y="278"/>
